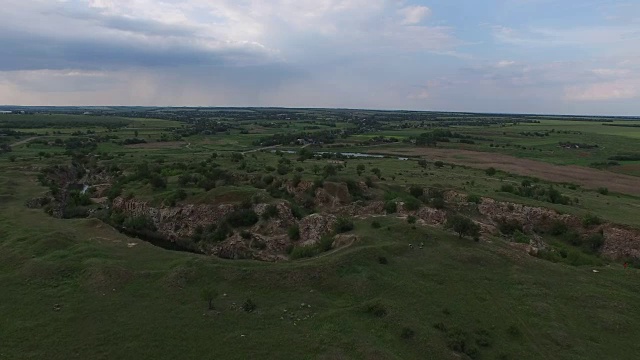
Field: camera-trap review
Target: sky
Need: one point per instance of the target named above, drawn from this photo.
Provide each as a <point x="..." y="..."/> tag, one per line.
<point x="509" y="56"/>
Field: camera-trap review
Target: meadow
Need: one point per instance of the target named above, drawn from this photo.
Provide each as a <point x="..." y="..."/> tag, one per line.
<point x="78" y="288"/>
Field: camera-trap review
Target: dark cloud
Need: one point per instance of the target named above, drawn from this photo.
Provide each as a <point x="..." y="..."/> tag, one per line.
<point x="21" y="51"/>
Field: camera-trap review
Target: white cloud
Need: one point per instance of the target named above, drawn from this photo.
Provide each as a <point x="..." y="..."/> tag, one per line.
<point x="412" y="15"/>
<point x="613" y="90"/>
<point x="505" y="63"/>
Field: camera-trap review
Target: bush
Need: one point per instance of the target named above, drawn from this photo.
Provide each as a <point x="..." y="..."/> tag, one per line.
<point x="476" y="199"/>
<point x="270" y="211"/>
<point x="508" y="188"/>
<point x="249" y="306"/>
<point x="343" y="225"/>
<point x="416" y="191"/>
<point x="519" y="237"/>
<point x="382" y="260"/>
<point x="139" y="223"/>
<point x="509" y="226"/>
<point x="375" y="224"/>
<point x="491" y="171"/>
<point x="603" y="191"/>
<point x="558" y="228"/>
<point x="412" y="219"/>
<point x="438" y="203"/>
<point x="412" y="204"/>
<point x="376" y="309"/>
<point x="242" y="218"/>
<point x="407" y="333"/>
<point x="591" y="220"/>
<point x="463" y="226"/>
<point x="573" y="238"/>
<point x="594" y="242"/>
<point x="438" y="164"/>
<point x="294" y="233"/>
<point x="299" y="252"/>
<point x="390" y="207"/>
<point x="297" y="211"/>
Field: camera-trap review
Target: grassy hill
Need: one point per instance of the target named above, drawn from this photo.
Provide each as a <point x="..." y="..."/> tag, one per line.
<point x="79" y="289"/>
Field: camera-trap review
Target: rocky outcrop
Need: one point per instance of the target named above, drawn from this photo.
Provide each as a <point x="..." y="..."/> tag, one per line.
<point x="175" y="222"/>
<point x="314" y="226"/>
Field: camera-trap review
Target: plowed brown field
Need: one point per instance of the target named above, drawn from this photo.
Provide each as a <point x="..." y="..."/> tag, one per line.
<point x="584" y="176"/>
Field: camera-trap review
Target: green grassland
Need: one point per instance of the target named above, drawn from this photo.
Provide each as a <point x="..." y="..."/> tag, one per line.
<point x="117" y="301"/>
<point x="78" y="289"/>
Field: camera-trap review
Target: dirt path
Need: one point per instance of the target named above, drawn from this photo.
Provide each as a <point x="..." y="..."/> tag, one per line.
<point x="24" y="141"/>
<point x="264" y="148"/>
<point x="584" y="176"/>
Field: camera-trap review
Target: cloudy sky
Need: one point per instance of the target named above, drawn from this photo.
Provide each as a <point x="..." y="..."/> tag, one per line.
<point x="532" y="56"/>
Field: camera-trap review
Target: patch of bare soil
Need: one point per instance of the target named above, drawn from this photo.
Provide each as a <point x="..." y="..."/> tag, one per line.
<point x="158" y="145"/>
<point x="584" y="176"/>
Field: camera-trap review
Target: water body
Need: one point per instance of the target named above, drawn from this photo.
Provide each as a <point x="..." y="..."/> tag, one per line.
<point x="346" y="154"/>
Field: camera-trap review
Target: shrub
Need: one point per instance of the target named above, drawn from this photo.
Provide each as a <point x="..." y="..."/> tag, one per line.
<point x="270" y="211"/>
<point x="139" y="223"/>
<point x="294" y="233"/>
<point x="376" y="309"/>
<point x="158" y="182"/>
<point x="390" y="207"/>
<point x="508" y="188"/>
<point x="416" y="191"/>
<point x="509" y="226"/>
<point x="297" y="211"/>
<point x="476" y="199"/>
<point x="491" y="171"/>
<point x="268" y="179"/>
<point x="514" y="331"/>
<point x="249" y="306"/>
<point x="343" y="225"/>
<point x="438" y="203"/>
<point x="412" y="204"/>
<point x="299" y="252"/>
<point x="382" y="260"/>
<point x="375" y="224"/>
<point x="519" y="237"/>
<point x="558" y="228"/>
<point x="245" y="235"/>
<point x="412" y="219"/>
<point x="242" y="218"/>
<point x="594" y="242"/>
<point x="573" y="238"/>
<point x="463" y="226"/>
<point x="591" y="220"/>
<point x="407" y="333"/>
<point x="603" y="191"/>
<point x="438" y="164"/>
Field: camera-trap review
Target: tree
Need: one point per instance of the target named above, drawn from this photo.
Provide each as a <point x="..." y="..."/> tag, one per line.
<point x="423" y="163"/>
<point x="208" y="294"/>
<point x="316" y="169"/>
<point x="416" y="191"/>
<point x="377" y="172"/>
<point x="360" y="169"/>
<point x="330" y="170"/>
<point x="491" y="171"/>
<point x="463" y="226"/>
<point x="438" y="164"/>
<point x="135" y="133"/>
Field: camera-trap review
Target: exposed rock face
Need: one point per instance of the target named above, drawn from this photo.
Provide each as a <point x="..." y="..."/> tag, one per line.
<point x="268" y="239"/>
<point x="620" y="243"/>
<point x="314" y="226"/>
<point x="432" y="216"/>
<point x="175" y="222"/>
